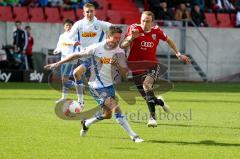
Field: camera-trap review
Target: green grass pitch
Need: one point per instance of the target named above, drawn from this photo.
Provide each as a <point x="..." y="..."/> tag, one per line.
<point x="208" y="126"/>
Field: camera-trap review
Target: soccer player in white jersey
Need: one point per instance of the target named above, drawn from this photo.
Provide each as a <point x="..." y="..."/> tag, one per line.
<point x="66" y="47"/>
<point x="89" y="30"/>
<point x="105" y="57"/>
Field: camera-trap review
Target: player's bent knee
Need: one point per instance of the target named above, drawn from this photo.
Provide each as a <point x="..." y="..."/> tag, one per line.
<point x="107" y="115"/>
<point x="79" y="71"/>
<point x="110" y="103"/>
<point x="75" y="73"/>
<point x="147" y="85"/>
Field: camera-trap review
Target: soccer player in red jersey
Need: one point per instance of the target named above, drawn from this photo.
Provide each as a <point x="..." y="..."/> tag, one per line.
<point x="143" y="40"/>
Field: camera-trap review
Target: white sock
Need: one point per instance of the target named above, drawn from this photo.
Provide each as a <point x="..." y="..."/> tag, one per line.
<point x="79" y="90"/>
<point x="66" y="87"/>
<point x="80" y="98"/>
<point x="91" y="121"/>
<point x="125" y="125"/>
<point x="64" y="92"/>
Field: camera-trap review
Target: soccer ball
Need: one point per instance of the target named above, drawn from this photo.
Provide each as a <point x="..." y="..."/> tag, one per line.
<point x="72" y="107"/>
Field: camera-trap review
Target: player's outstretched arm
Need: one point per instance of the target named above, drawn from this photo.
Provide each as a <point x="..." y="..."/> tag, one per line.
<point x="82" y="54"/>
<point x="181" y="57"/>
<point x="129" y="39"/>
<point x="65" y="60"/>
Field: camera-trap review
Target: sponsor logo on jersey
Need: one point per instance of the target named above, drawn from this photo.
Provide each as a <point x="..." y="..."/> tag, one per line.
<point x="36" y="76"/>
<point x="147" y="44"/>
<point x="5" y="76"/>
<point x="67" y="44"/>
<point x="105" y="60"/>
<point x="89" y="34"/>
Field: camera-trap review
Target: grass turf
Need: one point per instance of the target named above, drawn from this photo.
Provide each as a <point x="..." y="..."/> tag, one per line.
<point x="207" y="126"/>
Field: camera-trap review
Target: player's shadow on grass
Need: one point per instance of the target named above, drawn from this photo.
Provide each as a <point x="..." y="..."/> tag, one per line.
<point x="187" y="126"/>
<point x="204" y="142"/>
<point x="108" y="137"/>
<point x="28" y="98"/>
<point x="201" y="101"/>
<point x="123" y="148"/>
<point x="203" y="126"/>
<point x="206" y="87"/>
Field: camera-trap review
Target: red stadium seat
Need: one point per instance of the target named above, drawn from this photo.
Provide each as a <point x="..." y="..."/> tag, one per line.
<point x="101" y="14"/>
<point x="52" y="15"/>
<point x="36" y="15"/>
<point x="123" y="17"/>
<point x="113" y="17"/>
<point x="123" y="8"/>
<point x="233" y="19"/>
<point x="6" y="14"/>
<point x="225" y="20"/>
<point x="79" y="13"/>
<point x="130" y="17"/>
<point x="123" y="5"/>
<point x="68" y="14"/>
<point x="21" y="13"/>
<point x="211" y="19"/>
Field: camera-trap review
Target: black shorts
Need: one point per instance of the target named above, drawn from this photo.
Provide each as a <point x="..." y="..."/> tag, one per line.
<point x="156" y="72"/>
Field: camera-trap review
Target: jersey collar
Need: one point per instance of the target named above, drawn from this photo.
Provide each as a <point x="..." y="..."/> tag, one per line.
<point x="89" y="22"/>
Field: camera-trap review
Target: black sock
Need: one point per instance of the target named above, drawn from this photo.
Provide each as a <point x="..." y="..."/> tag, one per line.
<point x="151" y="108"/>
<point x="150" y="95"/>
<point x="150" y="99"/>
<point x="141" y="91"/>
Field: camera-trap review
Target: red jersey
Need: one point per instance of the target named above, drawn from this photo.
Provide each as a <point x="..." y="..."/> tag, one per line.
<point x="30" y="43"/>
<point x="144" y="47"/>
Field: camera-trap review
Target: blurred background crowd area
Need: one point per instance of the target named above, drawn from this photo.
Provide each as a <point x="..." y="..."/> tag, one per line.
<point x="222" y="13"/>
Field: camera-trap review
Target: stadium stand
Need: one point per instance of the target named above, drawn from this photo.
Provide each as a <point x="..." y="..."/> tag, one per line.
<point x="129" y="17"/>
<point x="79" y="13"/>
<point x="52" y="15"/>
<point x="211" y="19"/>
<point x="64" y="14"/>
<point x="21" y="13"/>
<point x="233" y="19"/>
<point x="6" y="14"/>
<point x="101" y="14"/>
<point x="36" y="15"/>
<point x="113" y="17"/>
<point x="118" y="12"/>
<point x="122" y="6"/>
<point x="225" y="20"/>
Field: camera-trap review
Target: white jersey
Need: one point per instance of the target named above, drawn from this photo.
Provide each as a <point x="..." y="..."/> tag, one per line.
<point x="103" y="74"/>
<point x="89" y="32"/>
<point x="65" y="45"/>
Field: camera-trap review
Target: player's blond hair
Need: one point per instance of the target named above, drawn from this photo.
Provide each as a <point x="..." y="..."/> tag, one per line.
<point x="149" y="13"/>
<point x="88" y="5"/>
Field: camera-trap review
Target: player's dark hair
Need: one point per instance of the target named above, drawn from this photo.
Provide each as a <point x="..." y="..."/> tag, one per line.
<point x="68" y="21"/>
<point x="18" y="21"/>
<point x="113" y="29"/>
<point x="27" y="27"/>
